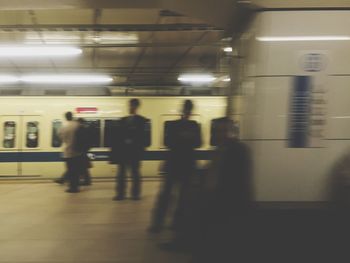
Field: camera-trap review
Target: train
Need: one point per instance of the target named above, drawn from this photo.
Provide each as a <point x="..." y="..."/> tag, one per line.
<point x="30" y="147"/>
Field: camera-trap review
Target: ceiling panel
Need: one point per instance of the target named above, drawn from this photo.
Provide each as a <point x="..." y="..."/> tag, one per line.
<point x="14" y="17"/>
<point x="69" y="16"/>
<point x="299" y="3"/>
<point x="129" y="16"/>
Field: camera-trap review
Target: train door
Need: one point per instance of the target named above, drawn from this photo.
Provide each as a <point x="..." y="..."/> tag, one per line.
<point x="10" y="145"/>
<point x="30" y="145"/>
<point x="19" y="139"/>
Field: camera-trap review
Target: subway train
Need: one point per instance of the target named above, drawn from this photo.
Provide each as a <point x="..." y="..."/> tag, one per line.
<point x="296" y="95"/>
<point x="31" y="148"/>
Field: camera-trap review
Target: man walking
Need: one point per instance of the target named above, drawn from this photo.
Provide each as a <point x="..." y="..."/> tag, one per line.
<point x="181" y="138"/>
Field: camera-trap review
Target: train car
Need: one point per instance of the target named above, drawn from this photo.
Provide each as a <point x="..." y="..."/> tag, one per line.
<point x="30" y="146"/>
<point x="296" y="92"/>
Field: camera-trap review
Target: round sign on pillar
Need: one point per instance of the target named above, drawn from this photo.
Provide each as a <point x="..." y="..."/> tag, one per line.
<point x="313" y="62"/>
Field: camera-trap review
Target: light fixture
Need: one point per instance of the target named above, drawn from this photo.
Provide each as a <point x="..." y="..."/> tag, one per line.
<point x="116" y="38"/>
<point x="67" y="79"/>
<point x="227" y="79"/>
<point x="38" y="51"/>
<point x="228" y="49"/>
<point x="8" y="79"/>
<point x="196" y="78"/>
<point x="303" y="38"/>
<point x="96" y="39"/>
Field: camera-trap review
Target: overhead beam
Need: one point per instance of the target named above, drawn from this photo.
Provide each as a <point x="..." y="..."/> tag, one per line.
<point x="72" y="4"/>
<point x="271" y="4"/>
<point x="220" y="13"/>
<point x="215" y="12"/>
<point x="163" y="45"/>
<point x="113" y="27"/>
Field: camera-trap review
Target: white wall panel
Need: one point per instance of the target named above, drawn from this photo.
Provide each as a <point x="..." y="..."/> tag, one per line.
<point x="295" y="174"/>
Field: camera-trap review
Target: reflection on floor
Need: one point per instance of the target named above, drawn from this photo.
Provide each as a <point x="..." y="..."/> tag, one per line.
<point x="39" y="222"/>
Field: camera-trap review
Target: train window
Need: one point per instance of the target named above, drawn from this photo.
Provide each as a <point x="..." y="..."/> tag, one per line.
<point x="9" y="134"/>
<point x="32" y="134"/>
<point x="56" y="140"/>
<point x="110" y="131"/>
<point x="94" y="127"/>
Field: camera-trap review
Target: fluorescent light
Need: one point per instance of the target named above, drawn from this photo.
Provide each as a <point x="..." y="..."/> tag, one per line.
<point x="67" y="79"/>
<point x="226" y="79"/>
<point x="8" y="79"/>
<point x="116" y="38"/>
<point x="38" y="51"/>
<point x="303" y="38"/>
<point x="228" y="49"/>
<point x="196" y="78"/>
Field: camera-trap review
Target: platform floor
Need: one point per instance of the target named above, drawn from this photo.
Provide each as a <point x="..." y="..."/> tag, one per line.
<point x="39" y="222"/>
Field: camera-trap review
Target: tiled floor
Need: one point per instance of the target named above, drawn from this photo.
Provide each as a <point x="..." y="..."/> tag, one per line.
<point x="39" y="222"/>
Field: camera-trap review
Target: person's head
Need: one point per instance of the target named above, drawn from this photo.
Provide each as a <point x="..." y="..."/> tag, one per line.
<point x="187" y="109"/>
<point x="81" y="120"/>
<point x="69" y="115"/>
<point x="134" y="104"/>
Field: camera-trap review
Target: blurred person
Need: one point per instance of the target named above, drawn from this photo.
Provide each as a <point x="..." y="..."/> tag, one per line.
<point x="181" y="137"/>
<point x="226" y="200"/>
<point x="69" y="118"/>
<point x="72" y="157"/>
<point x="83" y="143"/>
<point x="131" y="138"/>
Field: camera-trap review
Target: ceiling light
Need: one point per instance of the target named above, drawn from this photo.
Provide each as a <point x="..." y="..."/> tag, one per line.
<point x="8" y="79"/>
<point x="67" y="79"/>
<point x="117" y="38"/>
<point x="226" y="79"/>
<point x="303" y="38"/>
<point x="96" y="39"/>
<point x="38" y="51"/>
<point x="228" y="49"/>
<point x="196" y="78"/>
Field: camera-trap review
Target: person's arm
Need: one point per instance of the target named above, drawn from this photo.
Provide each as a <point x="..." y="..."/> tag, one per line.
<point x="198" y="137"/>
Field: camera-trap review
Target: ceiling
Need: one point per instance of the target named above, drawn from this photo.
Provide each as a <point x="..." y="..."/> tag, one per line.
<point x="138" y="47"/>
<point x="299" y="3"/>
<point x="141" y="43"/>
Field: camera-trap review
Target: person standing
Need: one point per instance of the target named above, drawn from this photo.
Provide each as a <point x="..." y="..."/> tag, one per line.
<point x="224" y="229"/>
<point x="71" y="156"/>
<point x="181" y="137"/>
<point x="83" y="143"/>
<point x="131" y="137"/>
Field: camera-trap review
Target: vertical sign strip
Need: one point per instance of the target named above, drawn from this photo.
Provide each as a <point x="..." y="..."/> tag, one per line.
<point x="299" y="112"/>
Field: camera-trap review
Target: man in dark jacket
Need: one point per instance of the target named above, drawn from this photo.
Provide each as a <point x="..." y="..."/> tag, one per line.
<point x="181" y="138"/>
<point x="131" y="137"/>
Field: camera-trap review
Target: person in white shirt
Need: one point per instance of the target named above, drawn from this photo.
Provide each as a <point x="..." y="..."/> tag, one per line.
<point x="71" y="156"/>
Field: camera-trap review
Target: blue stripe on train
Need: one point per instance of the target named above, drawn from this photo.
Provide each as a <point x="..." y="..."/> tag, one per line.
<point x="8" y="157"/>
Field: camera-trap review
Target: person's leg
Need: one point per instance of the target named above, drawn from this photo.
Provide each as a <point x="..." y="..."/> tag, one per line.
<point x="87" y="177"/>
<point x="85" y="171"/>
<point x="136" y="179"/>
<point x="121" y="182"/>
<point x="183" y="198"/>
<point x="65" y="177"/>
<point x="162" y="204"/>
<point x="73" y="173"/>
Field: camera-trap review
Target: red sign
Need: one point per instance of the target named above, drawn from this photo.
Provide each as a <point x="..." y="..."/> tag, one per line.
<point x="86" y="110"/>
